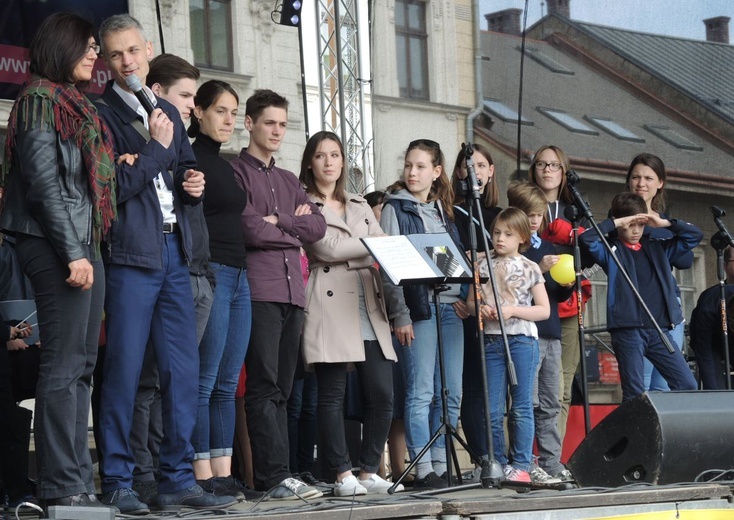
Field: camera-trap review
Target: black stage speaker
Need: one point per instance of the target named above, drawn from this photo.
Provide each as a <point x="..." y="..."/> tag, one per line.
<point x="660" y="438"/>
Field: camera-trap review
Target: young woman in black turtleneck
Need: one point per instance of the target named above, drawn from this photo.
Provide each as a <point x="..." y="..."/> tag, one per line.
<point x="224" y="345"/>
<point x="472" y="401"/>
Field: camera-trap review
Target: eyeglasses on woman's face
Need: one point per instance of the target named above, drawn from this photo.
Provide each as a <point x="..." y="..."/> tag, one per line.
<point x="552" y="166"/>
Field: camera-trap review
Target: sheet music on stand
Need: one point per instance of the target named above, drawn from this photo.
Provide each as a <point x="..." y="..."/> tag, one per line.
<point x="426" y="258"/>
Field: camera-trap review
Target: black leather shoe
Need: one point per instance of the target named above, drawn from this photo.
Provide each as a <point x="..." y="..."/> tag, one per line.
<point x="14" y="502"/>
<point x="194" y="497"/>
<point x="309" y="479"/>
<point x="126" y="501"/>
<point x="430" y="481"/>
<point x="230" y="486"/>
<point x="147" y="491"/>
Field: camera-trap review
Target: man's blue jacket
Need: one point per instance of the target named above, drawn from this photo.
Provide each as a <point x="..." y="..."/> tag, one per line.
<point x="136" y="237"/>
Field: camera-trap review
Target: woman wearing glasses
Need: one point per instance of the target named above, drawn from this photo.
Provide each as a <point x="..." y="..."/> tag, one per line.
<point x="548" y="171"/>
<point x="59" y="202"/>
<point x="422" y="202"/>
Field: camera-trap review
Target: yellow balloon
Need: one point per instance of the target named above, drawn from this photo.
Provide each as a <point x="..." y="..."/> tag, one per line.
<point x="563" y="272"/>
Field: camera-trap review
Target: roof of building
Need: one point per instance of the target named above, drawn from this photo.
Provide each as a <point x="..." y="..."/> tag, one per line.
<point x="577" y="107"/>
<point x="704" y="70"/>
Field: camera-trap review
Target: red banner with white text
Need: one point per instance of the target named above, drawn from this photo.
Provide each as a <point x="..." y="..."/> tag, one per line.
<point x="19" y="20"/>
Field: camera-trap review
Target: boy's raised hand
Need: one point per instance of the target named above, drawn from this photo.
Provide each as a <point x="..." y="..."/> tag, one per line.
<point x="656" y="221"/>
<point x="640" y="218"/>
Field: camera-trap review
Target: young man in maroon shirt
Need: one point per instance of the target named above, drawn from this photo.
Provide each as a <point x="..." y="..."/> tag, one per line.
<point x="278" y="219"/>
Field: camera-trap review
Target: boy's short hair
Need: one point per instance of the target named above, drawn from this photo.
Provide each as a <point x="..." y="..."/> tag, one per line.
<point x="628" y="204"/>
<point x="166" y="69"/>
<point x="527" y="197"/>
<point x="517" y="221"/>
<point x="262" y="99"/>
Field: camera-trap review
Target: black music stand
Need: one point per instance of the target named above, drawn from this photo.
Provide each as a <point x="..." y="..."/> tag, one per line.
<point x="426" y="259"/>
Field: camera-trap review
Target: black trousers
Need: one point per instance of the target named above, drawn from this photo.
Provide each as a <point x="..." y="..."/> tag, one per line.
<point x="271" y="364"/>
<point x="15" y="435"/>
<point x="68" y="321"/>
<point x="375" y="383"/>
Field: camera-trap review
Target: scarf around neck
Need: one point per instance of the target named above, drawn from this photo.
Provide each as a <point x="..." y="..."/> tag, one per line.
<point x="62" y="108"/>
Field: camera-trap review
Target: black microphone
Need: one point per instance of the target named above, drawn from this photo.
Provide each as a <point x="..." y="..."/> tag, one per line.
<point x="133" y="82"/>
<point x="572" y="178"/>
<point x="723" y="230"/>
<point x="471" y="175"/>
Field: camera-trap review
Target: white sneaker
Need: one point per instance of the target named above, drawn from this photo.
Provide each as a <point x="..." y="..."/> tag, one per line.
<point x="539" y="476"/>
<point x="565" y="476"/>
<point x="349" y="487"/>
<point x="377" y="484"/>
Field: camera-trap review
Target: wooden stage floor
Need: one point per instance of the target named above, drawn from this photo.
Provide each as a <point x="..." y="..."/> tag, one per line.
<point x="683" y="501"/>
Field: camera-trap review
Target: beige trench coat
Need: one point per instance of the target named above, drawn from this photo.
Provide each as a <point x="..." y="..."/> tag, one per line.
<point x="331" y="330"/>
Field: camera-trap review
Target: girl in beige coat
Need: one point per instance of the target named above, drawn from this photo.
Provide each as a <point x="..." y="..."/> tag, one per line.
<point x="346" y="320"/>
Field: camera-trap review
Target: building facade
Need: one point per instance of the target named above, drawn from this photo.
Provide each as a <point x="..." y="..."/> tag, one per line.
<point x="423" y="78"/>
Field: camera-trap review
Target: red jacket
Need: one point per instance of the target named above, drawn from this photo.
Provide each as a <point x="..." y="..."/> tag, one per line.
<point x="560" y="232"/>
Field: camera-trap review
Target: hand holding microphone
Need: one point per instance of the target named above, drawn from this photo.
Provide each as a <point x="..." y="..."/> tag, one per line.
<point x="160" y="127"/>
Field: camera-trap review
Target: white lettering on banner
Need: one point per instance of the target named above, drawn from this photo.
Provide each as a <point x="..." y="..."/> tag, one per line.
<point x="14" y="65"/>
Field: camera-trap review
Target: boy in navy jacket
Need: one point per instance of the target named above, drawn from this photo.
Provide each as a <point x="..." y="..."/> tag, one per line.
<point x="648" y="263"/>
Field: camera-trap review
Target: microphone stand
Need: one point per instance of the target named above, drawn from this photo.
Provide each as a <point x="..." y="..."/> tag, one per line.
<point x="492" y="471"/>
<point x="572" y="214"/>
<point x="572" y="179"/>
<point x="719" y="241"/>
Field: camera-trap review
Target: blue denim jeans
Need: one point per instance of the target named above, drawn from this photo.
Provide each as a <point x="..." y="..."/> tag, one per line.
<point x="631" y="346"/>
<point x="221" y="355"/>
<point x="653" y="379"/>
<point x="524" y="352"/>
<point x="423" y="381"/>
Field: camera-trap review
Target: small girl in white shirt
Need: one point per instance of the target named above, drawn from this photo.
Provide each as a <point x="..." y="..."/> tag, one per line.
<point x="523" y="299"/>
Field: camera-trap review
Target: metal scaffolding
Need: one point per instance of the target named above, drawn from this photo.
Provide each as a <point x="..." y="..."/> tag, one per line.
<point x="341" y="85"/>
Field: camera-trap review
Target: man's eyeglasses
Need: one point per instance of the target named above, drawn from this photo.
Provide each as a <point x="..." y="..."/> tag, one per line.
<point x="94" y="47"/>
<point x="424" y="142"/>
<point x="552" y="166"/>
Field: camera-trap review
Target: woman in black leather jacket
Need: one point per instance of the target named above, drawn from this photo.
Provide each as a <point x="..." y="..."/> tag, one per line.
<point x="59" y="201"/>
